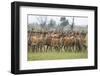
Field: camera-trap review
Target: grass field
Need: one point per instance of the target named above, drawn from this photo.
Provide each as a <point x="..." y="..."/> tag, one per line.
<point x="56" y="55"/>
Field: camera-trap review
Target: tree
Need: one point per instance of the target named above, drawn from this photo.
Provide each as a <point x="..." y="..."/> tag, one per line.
<point x="72" y="25"/>
<point x="42" y="20"/>
<point x="63" y="23"/>
<point x="52" y="23"/>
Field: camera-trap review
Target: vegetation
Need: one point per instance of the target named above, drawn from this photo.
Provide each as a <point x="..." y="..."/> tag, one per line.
<point x="57" y="55"/>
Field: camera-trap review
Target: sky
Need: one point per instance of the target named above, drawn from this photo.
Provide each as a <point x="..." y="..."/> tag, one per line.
<point x="78" y="21"/>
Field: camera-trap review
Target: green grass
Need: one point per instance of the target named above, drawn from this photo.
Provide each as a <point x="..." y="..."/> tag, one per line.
<point x="56" y="55"/>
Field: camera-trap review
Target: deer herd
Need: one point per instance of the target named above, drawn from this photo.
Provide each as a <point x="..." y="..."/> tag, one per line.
<point x="57" y="41"/>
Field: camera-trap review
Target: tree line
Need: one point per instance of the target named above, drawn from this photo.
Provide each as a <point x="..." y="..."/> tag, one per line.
<point x="43" y="24"/>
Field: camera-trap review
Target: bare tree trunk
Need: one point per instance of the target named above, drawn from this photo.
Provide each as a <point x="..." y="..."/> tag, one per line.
<point x="72" y="26"/>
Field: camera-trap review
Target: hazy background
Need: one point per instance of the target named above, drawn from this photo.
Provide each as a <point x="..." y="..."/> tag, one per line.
<point x="57" y="23"/>
<point x="83" y="21"/>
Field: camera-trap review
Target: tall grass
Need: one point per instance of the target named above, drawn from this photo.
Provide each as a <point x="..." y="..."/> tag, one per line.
<point x="56" y="55"/>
